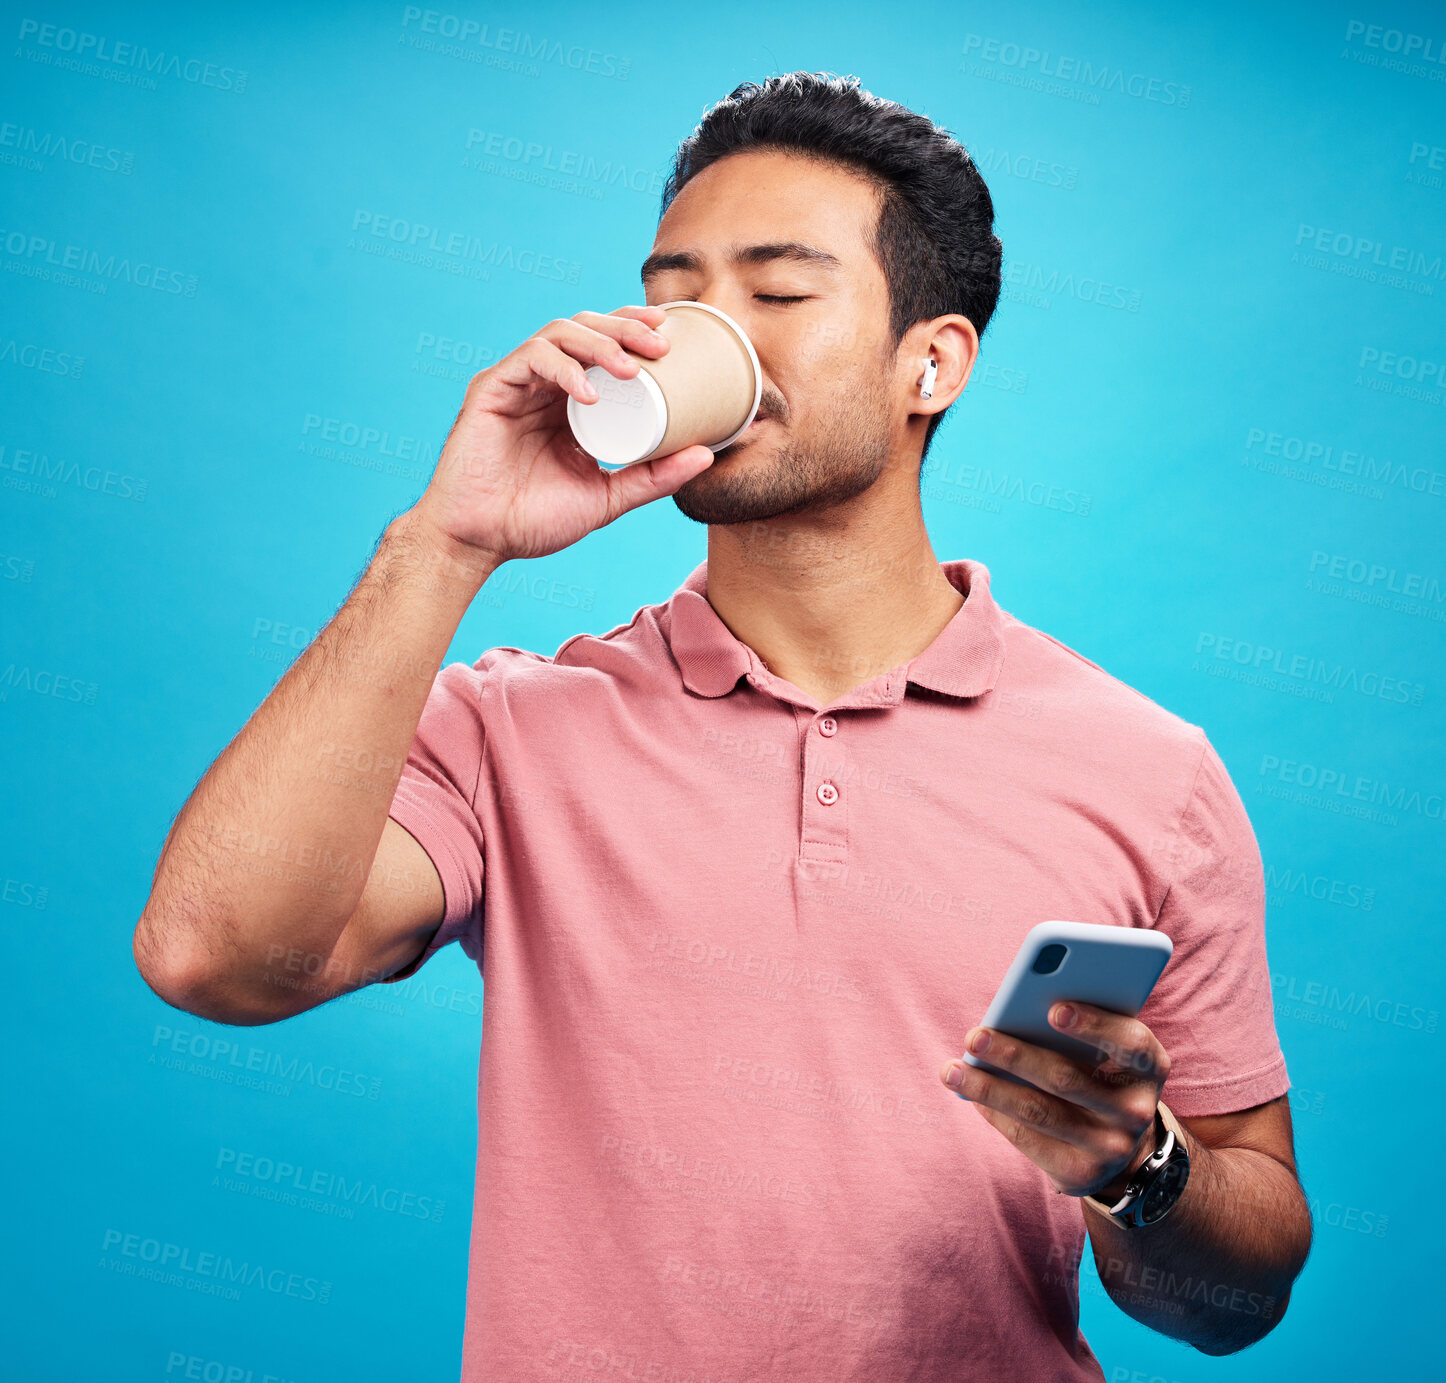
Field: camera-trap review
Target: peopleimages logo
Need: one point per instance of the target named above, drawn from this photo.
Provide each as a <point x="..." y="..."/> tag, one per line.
<point x="87" y="52"/>
<point x="418" y="242"/>
<point x="1395" y="50"/>
<point x="1303" y="668"/>
<point x="1432" y="158"/>
<point x="86" y="153"/>
<point x="364" y="437"/>
<point x="180" y="1265"/>
<point x="1341" y="892"/>
<point x="506" y="48"/>
<point x="294" y="1183"/>
<point x="1309" y="452"/>
<point x="1026" y="167"/>
<point x="196" y="1368"/>
<point x="22" y="464"/>
<point x="46" y="360"/>
<point x="1339" y="782"/>
<point x="43" y="682"/>
<point x="1402" y="366"/>
<point x="235" y="1065"/>
<point x="1417" y="592"/>
<point x="39" y="255"/>
<point x="1361" y="256"/>
<point x="1038" y="286"/>
<point x="1357" y="247"/>
<point x="1079" y="72"/>
<point x="537" y="158"/>
<point x="1319" y="994"/>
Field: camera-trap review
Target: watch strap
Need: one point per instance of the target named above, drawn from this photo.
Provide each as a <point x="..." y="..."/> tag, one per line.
<point x="1165" y="1123"/>
<point x="1167" y="1117"/>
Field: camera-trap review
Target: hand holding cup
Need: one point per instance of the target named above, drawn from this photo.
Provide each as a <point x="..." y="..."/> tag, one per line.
<point x="512" y="480"/>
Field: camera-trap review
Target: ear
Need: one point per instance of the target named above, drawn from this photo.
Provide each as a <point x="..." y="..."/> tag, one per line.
<point x="953" y="344"/>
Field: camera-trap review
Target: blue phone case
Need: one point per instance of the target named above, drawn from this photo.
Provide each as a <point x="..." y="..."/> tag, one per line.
<point x="1110" y="967"/>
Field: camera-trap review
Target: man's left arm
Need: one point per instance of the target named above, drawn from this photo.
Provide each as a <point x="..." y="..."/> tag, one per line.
<point x="1217" y="1270"/>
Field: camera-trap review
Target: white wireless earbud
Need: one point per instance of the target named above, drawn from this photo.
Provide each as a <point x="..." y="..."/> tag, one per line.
<point x="926" y="389"/>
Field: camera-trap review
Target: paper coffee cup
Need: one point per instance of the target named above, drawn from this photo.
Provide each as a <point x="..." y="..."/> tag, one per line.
<point x="705" y="389"/>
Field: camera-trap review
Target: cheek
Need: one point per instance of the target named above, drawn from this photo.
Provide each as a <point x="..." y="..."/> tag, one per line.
<point x="832" y="381"/>
<point x="826" y="373"/>
<point x="820" y="350"/>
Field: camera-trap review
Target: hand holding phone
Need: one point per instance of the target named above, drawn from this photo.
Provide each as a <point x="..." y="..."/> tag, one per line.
<point x="1111" y="967"/>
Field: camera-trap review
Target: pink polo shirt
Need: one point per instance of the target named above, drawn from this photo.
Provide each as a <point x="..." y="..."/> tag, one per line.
<point x="728" y="939"/>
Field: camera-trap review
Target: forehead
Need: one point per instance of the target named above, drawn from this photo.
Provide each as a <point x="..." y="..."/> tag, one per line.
<point x="769" y="197"/>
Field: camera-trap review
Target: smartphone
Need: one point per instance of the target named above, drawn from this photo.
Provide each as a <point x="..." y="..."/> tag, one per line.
<point x="1110" y="967"/>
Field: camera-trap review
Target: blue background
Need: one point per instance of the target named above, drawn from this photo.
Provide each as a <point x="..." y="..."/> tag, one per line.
<point x="192" y="528"/>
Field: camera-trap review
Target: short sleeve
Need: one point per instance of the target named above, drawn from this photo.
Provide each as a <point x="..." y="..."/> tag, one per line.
<point x="434" y="803"/>
<point x="1212" y="1009"/>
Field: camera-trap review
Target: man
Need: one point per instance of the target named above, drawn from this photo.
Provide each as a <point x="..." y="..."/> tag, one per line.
<point x="742" y="873"/>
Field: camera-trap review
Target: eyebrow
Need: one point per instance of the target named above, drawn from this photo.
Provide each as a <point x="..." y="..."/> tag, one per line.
<point x="793" y="251"/>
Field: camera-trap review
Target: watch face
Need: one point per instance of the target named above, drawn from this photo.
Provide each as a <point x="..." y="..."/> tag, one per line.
<point x="1163" y="1192"/>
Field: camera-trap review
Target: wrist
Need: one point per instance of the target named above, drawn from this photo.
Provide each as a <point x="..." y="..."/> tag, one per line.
<point x="1146" y="1196"/>
<point x="1148" y="1146"/>
<point x="443" y="558"/>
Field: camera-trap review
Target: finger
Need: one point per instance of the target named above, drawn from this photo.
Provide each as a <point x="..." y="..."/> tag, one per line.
<point x="1043" y="1113"/>
<point x="588" y="347"/>
<point x="1055" y="1074"/>
<point x="508" y="387"/>
<point x="644" y="312"/>
<point x="650" y="317"/>
<point x="565" y="361"/>
<point x="538" y="359"/>
<point x="561" y="353"/>
<point x="607" y="333"/>
<point x="543" y="356"/>
<point x="1069" y="1170"/>
<point x="649" y="480"/>
<point x="1129" y="1046"/>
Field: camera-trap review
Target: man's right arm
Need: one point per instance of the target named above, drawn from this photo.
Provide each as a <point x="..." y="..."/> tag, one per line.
<point x="284" y="882"/>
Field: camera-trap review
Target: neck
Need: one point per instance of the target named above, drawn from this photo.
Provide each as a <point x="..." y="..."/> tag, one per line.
<point x="830" y="602"/>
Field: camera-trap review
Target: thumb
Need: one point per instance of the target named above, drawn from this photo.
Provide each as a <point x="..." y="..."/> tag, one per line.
<point x="650" y="480"/>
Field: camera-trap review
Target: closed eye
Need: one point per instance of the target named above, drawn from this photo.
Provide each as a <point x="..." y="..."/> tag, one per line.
<point x="762" y="297"/>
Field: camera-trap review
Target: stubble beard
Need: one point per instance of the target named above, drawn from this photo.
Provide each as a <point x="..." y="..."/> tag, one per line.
<point x="798" y="476"/>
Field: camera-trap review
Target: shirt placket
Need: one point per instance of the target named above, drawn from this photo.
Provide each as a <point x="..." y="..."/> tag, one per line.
<point x="824" y="836"/>
<point x="826" y="770"/>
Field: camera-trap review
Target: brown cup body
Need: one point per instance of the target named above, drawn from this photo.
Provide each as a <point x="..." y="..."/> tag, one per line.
<point x="706" y="379"/>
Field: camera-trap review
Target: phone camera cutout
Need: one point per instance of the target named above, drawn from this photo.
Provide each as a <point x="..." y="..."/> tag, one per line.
<point x="1049" y="959"/>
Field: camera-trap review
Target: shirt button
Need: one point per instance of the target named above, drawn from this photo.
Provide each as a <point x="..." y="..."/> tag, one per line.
<point x="828" y="726"/>
<point x="827" y="794"/>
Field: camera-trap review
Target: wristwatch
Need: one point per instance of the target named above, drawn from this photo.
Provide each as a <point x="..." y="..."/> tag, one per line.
<point x="1151" y="1193"/>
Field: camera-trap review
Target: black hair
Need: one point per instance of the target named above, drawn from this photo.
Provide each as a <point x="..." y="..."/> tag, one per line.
<point x="935" y="236"/>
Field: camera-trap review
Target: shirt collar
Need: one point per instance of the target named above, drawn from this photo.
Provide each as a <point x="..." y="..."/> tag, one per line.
<point x="964" y="659"/>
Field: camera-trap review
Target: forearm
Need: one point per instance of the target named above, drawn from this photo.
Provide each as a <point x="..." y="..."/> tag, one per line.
<point x="1216" y="1272"/>
<point x="272" y="852"/>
